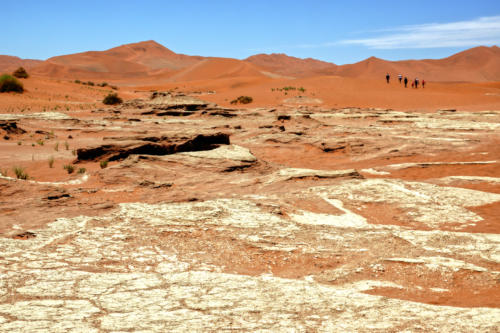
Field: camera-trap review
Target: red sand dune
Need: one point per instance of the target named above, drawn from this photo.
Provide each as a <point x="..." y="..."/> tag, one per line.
<point x="282" y="64"/>
<point x="149" y="66"/>
<point x="123" y="62"/>
<point x="10" y="63"/>
<point x="149" y="61"/>
<point x="217" y="68"/>
<point x="478" y="64"/>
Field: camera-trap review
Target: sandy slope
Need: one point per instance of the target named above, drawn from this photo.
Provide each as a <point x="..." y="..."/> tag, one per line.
<point x="292" y="66"/>
<point x="474" y="65"/>
<point x="10" y="63"/>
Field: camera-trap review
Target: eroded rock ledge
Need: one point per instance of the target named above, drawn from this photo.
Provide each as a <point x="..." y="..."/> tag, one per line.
<point x="152" y="146"/>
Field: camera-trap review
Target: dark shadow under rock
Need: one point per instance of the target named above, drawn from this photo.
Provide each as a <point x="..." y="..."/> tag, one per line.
<point x="148" y="146"/>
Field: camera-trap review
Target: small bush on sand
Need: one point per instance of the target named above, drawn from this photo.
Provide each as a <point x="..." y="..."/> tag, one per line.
<point x="9" y="83"/>
<point x="90" y="83"/>
<point x="51" y="162"/>
<point x="103" y="164"/>
<point x="82" y="170"/>
<point x="20" y="73"/>
<point x="69" y="168"/>
<point x="20" y="173"/>
<point x="112" y="99"/>
<point x="242" y="100"/>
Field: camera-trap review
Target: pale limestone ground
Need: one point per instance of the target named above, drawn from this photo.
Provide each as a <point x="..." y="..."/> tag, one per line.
<point x="228" y="263"/>
<point x="114" y="274"/>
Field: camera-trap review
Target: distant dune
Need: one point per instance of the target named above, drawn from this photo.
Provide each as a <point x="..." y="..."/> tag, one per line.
<point x="10" y="63"/>
<point x="151" y="62"/>
<point x="291" y="66"/>
<point x="479" y="64"/>
<point x="123" y="62"/>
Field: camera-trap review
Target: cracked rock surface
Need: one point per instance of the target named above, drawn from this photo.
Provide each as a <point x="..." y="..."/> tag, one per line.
<point x="351" y="220"/>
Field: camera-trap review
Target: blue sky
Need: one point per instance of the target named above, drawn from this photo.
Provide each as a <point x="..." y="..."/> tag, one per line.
<point x="336" y="31"/>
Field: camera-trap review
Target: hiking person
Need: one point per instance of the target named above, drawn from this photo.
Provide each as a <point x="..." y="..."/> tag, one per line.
<point x="416" y="82"/>
<point x="387" y="77"/>
<point x="400" y="77"/>
<point x="423" y="83"/>
<point x="406" y="81"/>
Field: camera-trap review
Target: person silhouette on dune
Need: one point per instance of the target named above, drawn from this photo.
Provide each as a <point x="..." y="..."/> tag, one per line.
<point x="387" y="77"/>
<point x="406" y="81"/>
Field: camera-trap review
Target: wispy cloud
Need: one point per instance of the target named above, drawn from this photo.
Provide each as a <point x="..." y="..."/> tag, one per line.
<point x="481" y="31"/>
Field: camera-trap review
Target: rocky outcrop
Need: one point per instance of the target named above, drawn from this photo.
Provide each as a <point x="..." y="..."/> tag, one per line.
<point x="152" y="146"/>
<point x="8" y="128"/>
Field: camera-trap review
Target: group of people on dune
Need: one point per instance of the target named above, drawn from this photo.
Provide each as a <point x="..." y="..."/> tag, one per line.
<point x="414" y="84"/>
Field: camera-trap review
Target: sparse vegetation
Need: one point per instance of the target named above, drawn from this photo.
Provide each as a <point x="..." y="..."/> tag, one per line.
<point x="51" y="162"/>
<point x="242" y="100"/>
<point x="66" y="145"/>
<point x="56" y="147"/>
<point x="289" y="88"/>
<point x="82" y="170"/>
<point x="103" y="164"/>
<point x="40" y="142"/>
<point x="90" y="83"/>
<point x="20" y="173"/>
<point x="69" y="168"/>
<point x="104" y="84"/>
<point x="112" y="99"/>
<point x="78" y="81"/>
<point x="20" y="73"/>
<point x="9" y="83"/>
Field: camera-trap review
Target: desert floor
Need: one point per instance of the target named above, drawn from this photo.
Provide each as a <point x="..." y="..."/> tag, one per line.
<point x="350" y="205"/>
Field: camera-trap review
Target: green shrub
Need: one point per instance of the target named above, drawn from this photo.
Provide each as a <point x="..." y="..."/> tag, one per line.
<point x="82" y="170"/>
<point x="20" y="173"/>
<point x="20" y="73"/>
<point x="78" y="81"/>
<point x="9" y="83"/>
<point x="51" y="162"/>
<point x="242" y="100"/>
<point x="112" y="99"/>
<point x="103" y="164"/>
<point x="69" y="168"/>
<point x="104" y="84"/>
<point x="90" y="83"/>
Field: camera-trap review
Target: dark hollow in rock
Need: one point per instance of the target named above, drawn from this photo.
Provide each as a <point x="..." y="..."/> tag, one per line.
<point x="175" y="113"/>
<point x="284" y="117"/>
<point x="241" y="167"/>
<point x="164" y="146"/>
<point x="25" y="235"/>
<point x="10" y="127"/>
<point x="222" y="113"/>
<point x="58" y="196"/>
